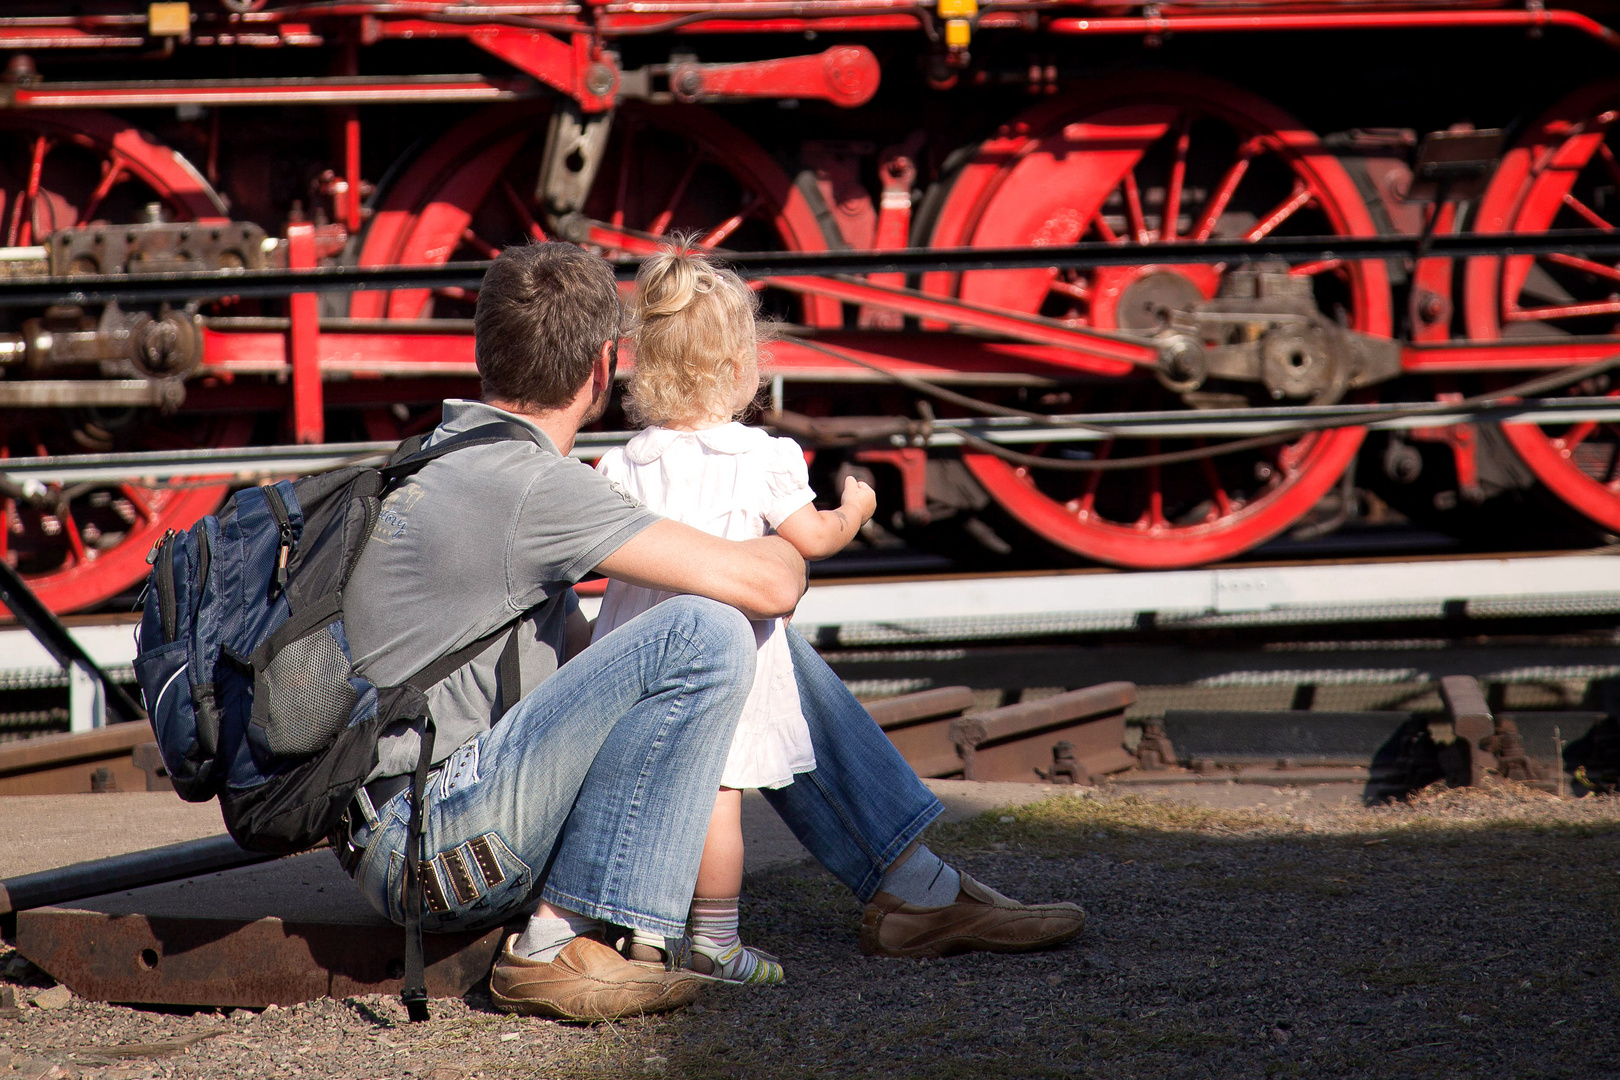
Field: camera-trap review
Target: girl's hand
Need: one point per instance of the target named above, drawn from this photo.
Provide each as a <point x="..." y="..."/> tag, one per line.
<point x="819" y="533"/>
<point x="859" y="501"/>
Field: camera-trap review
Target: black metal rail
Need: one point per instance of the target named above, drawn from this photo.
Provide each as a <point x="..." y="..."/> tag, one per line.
<point x="212" y="284"/>
<point x="48" y="629"/>
<point x="133" y="871"/>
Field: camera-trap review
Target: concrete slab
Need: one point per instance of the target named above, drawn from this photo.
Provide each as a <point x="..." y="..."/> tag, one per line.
<point x="46" y="831"/>
<point x="964" y="799"/>
<point x="767" y="842"/>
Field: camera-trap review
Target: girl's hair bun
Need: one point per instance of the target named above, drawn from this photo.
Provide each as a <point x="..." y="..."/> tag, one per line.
<point x="670" y="280"/>
<point x="695" y="333"/>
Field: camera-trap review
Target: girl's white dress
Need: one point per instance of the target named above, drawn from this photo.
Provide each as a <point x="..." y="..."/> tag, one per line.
<point x="736" y="483"/>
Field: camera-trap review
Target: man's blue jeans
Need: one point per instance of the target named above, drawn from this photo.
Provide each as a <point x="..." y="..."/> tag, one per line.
<point x="600" y="783"/>
<point x="862" y="805"/>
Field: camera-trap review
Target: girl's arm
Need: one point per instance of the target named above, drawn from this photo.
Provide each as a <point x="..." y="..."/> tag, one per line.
<point x="820" y="533"/>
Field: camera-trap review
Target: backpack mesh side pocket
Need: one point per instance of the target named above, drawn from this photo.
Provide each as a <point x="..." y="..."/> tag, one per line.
<point x="308" y="694"/>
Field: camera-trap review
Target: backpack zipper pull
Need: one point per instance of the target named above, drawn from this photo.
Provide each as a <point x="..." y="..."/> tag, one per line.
<point x="278" y="510"/>
<point x="283" y="555"/>
<point x="151" y="556"/>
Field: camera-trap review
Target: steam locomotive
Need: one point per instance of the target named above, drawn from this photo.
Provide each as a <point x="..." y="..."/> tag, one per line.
<point x="1169" y="402"/>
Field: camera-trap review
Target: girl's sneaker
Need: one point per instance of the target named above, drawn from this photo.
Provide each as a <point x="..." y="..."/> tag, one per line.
<point x="735" y="964"/>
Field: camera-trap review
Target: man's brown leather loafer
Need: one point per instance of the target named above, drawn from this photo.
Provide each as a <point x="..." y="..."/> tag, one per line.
<point x="980" y="920"/>
<point x="587" y="981"/>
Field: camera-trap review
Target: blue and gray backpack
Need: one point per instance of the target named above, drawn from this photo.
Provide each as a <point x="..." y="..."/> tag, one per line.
<point x="247" y="674"/>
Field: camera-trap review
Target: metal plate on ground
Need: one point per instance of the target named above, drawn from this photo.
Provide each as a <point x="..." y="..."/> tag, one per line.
<point x="272" y="934"/>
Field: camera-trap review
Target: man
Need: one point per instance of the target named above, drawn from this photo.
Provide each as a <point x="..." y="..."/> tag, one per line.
<point x="597" y="785"/>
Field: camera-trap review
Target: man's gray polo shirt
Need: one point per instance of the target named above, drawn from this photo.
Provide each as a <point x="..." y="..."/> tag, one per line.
<point x="471" y="540"/>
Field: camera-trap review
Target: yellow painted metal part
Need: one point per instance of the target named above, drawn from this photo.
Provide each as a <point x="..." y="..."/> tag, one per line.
<point x="168" y="19"/>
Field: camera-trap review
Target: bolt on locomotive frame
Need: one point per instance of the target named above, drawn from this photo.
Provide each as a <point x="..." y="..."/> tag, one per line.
<point x="1211" y="261"/>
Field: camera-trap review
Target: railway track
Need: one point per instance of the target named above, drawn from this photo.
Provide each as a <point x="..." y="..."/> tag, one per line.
<point x="1334" y="670"/>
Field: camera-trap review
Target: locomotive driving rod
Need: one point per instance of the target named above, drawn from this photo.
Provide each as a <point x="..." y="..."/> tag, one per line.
<point x="30" y="291"/>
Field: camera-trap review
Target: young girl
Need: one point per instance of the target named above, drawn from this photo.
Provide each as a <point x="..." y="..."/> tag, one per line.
<point x="697" y="370"/>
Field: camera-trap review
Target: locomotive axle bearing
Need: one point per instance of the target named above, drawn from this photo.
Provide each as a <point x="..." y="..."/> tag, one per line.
<point x="1265" y="327"/>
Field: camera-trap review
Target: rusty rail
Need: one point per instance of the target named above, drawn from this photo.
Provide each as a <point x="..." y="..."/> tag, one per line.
<point x="119" y="757"/>
<point x="919" y="726"/>
<point x="1071" y="738"/>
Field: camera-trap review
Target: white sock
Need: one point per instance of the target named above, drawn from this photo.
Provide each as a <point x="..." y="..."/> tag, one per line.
<point x="543" y="939"/>
<point x="646" y="946"/>
<point x="924" y="880"/>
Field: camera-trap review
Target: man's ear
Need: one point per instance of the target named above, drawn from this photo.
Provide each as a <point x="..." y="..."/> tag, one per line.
<point x="602" y="370"/>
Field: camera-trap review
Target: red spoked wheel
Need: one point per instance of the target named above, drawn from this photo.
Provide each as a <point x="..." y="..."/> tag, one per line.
<point x="1160" y="158"/>
<point x="80" y="546"/>
<point x="667" y="170"/>
<point x="83" y="544"/>
<point x="1563" y="174"/>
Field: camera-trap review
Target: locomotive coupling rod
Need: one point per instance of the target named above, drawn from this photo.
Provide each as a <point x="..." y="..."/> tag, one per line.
<point x="212" y="284"/>
<point x="150" y="867"/>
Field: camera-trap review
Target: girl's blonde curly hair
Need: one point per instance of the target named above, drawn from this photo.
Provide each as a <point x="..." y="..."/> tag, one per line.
<point x="695" y="328"/>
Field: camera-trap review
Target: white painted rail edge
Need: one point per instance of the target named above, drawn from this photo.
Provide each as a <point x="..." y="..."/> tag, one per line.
<point x="884" y="612"/>
<point x="108" y="646"/>
<point x="891" y="611"/>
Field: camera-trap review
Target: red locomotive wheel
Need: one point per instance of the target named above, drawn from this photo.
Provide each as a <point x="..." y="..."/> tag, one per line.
<point x="667" y="170"/>
<point x="82" y="545"/>
<point x="1562" y="174"/>
<point x="1156" y="158"/>
<point x="78" y="547"/>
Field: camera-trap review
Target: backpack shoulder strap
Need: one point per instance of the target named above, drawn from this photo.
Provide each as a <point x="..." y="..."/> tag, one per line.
<point x="406" y="448"/>
<point x="410" y="456"/>
<point x="509" y="670"/>
<point x="449" y="663"/>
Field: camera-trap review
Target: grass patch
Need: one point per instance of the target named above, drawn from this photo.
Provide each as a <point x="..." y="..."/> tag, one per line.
<point x="1065" y="823"/>
<point x="1068" y="823"/>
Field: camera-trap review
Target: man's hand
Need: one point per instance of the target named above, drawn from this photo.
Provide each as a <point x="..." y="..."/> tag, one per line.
<point x="761" y="578"/>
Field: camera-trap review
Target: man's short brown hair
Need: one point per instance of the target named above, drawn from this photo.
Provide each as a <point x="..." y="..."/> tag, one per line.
<point x="544" y="311"/>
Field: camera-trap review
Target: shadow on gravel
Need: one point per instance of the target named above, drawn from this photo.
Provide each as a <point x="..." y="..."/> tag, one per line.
<point x="1453" y="942"/>
<point x="1468" y="934"/>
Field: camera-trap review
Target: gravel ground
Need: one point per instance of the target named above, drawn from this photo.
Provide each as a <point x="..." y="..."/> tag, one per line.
<point x="1468" y="933"/>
